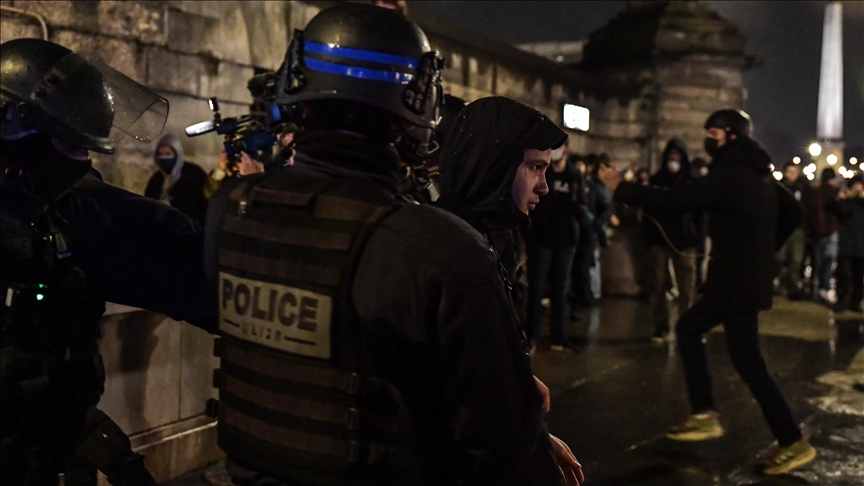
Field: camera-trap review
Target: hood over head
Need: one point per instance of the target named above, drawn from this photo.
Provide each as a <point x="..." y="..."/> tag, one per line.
<point x="677" y="143"/>
<point x="481" y="153"/>
<point x="174" y="143"/>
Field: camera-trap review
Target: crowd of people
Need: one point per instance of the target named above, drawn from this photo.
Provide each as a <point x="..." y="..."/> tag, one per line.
<point x="819" y="261"/>
<point x="371" y="325"/>
<point x="822" y="260"/>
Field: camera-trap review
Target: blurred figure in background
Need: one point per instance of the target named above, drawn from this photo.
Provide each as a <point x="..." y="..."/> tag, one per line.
<point x="671" y="235"/>
<point x="643" y="176"/>
<point x="178" y="182"/>
<point x="592" y="234"/>
<point x="552" y="246"/>
<point x="701" y="169"/>
<point x="822" y="229"/>
<point x="849" y="207"/>
<point x="791" y="255"/>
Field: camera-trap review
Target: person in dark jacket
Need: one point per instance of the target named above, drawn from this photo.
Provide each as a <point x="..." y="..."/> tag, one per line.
<point x="671" y="235"/>
<point x="423" y="315"/>
<point x="791" y="254"/>
<point x="585" y="275"/>
<point x="822" y="228"/>
<point x="849" y="208"/>
<point x="71" y="242"/>
<point x="178" y="182"/>
<point x="492" y="167"/>
<point x="552" y="246"/>
<point x="748" y="220"/>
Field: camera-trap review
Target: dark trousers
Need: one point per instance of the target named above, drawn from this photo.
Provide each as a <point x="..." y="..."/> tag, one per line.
<point x="850" y="280"/>
<point x="684" y="264"/>
<point x="553" y="267"/>
<point x="742" y="340"/>
<point x="583" y="261"/>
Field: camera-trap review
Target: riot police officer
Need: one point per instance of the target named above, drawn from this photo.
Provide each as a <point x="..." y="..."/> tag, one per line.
<point x="364" y="341"/>
<point x="69" y="243"/>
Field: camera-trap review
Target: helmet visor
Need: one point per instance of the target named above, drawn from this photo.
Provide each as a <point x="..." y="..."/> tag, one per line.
<point x="88" y="97"/>
<point x="138" y="111"/>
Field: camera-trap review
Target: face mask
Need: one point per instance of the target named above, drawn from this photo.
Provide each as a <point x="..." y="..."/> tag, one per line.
<point x="166" y="163"/>
<point x="711" y="147"/>
<point x="47" y="172"/>
<point x="674" y="166"/>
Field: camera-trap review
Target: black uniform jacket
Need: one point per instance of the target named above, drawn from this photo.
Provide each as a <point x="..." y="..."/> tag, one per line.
<point x="742" y="203"/>
<point x="428" y="290"/>
<point x="136" y="251"/>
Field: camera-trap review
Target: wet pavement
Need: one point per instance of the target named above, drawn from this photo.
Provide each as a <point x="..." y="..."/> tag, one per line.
<point x="613" y="397"/>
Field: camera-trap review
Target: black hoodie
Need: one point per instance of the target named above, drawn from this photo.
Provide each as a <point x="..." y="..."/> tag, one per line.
<point x="481" y="153"/>
<point x="682" y="229"/>
<point x="743" y="203"/>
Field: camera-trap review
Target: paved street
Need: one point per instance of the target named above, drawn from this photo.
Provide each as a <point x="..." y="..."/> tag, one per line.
<point x="615" y="395"/>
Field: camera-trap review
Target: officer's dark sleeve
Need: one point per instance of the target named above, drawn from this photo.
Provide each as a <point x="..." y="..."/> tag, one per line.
<point x="145" y="253"/>
<point x="431" y="280"/>
<point x="705" y="193"/>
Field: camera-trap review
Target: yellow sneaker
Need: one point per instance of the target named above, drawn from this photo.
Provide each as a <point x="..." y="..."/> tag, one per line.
<point x="702" y="426"/>
<point x="784" y="459"/>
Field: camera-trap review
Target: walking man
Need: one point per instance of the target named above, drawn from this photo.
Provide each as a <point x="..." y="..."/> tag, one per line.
<point x="749" y="217"/>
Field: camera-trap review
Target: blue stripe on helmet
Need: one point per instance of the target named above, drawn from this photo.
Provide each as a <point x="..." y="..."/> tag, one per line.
<point x="360" y="55"/>
<point x="359" y="72"/>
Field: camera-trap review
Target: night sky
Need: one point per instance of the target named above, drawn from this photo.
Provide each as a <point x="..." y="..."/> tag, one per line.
<point x="787" y="35"/>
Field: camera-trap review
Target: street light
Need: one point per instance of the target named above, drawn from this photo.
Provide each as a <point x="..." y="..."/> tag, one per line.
<point x="778" y="175"/>
<point x="796" y="160"/>
<point x="832" y="159"/>
<point x="815" y="149"/>
<point x="853" y="160"/>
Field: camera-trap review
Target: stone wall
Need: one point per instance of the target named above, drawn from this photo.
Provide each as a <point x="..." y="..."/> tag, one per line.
<point x="656" y="72"/>
<point x="187" y="51"/>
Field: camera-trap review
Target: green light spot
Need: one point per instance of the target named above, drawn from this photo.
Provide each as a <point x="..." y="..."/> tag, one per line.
<point x="41" y="286"/>
<point x="39" y="296"/>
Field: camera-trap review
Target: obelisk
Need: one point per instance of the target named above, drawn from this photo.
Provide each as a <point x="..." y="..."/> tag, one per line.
<point x="829" y="122"/>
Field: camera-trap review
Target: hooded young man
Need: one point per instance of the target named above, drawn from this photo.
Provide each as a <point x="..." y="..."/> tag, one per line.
<point x="750" y="216"/>
<point x="493" y="166"/>
<point x="178" y="183"/>
<point x="671" y="235"/>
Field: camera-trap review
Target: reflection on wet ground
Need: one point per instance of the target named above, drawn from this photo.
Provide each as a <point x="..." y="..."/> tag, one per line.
<point x="616" y="394"/>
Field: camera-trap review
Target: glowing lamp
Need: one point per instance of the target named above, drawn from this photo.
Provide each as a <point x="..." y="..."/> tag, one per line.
<point x="815" y="149"/>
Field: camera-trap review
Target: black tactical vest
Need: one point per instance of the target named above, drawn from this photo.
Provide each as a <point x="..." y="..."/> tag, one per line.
<point x="49" y="318"/>
<point x="295" y="400"/>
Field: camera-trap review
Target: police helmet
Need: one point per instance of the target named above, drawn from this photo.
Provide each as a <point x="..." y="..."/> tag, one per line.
<point x="732" y="121"/>
<point x="364" y="54"/>
<point x="421" y="144"/>
<point x="47" y="88"/>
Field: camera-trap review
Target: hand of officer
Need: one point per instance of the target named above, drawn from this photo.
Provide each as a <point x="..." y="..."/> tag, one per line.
<point x="609" y="176"/>
<point x="223" y="160"/>
<point x="544" y="392"/>
<point x="568" y="466"/>
<point x="248" y="165"/>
